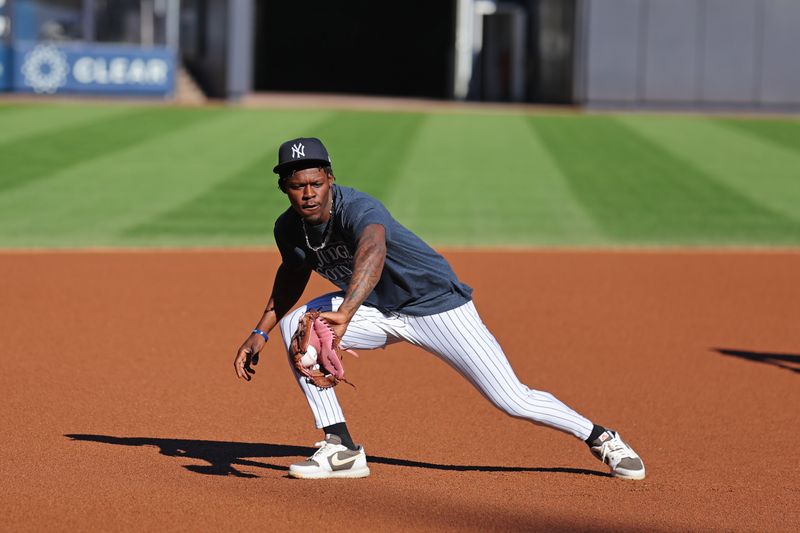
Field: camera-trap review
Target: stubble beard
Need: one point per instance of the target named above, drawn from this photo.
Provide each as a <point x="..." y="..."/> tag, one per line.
<point x="319" y="217"/>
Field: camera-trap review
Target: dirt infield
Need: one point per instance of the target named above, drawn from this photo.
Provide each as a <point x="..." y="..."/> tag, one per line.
<point x="121" y="410"/>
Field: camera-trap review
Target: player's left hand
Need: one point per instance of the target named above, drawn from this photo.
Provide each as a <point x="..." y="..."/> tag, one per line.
<point x="338" y="321"/>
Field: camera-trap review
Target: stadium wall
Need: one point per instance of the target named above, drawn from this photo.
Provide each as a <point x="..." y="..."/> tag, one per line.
<point x="731" y="53"/>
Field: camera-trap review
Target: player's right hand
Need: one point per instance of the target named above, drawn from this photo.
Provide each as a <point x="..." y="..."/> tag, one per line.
<point x="247" y="357"/>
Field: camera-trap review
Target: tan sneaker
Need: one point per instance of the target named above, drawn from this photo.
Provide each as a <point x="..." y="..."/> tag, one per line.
<point x="613" y="451"/>
<point x="332" y="460"/>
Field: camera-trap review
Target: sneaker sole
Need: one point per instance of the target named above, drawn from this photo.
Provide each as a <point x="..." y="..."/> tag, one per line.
<point x="629" y="475"/>
<point x="349" y="474"/>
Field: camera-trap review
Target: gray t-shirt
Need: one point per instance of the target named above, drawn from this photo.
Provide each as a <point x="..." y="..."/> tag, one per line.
<point x="415" y="279"/>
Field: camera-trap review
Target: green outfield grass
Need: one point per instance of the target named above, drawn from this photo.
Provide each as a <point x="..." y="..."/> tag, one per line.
<point x="117" y="175"/>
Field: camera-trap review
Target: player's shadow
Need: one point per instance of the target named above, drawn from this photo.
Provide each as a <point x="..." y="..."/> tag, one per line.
<point x="225" y="458"/>
<point x="786" y="361"/>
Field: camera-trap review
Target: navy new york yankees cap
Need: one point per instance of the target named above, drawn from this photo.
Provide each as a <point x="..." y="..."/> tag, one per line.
<point x="302" y="152"/>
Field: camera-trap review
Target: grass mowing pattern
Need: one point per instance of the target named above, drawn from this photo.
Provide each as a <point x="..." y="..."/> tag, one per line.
<point x="783" y="133"/>
<point x="645" y="194"/>
<point x="246" y="204"/>
<point x="40" y="156"/>
<point x="125" y="175"/>
<point x="368" y="149"/>
<point x="471" y="180"/>
<point x="26" y="121"/>
<point x="762" y="171"/>
<point x="95" y="201"/>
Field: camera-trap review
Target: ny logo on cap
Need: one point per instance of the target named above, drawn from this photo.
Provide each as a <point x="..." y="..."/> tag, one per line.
<point x="298" y="150"/>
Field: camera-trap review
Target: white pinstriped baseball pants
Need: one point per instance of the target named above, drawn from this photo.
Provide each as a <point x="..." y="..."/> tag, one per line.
<point x="459" y="338"/>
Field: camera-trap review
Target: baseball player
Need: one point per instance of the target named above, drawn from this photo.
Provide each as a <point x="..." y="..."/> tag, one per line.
<point x="394" y="287"/>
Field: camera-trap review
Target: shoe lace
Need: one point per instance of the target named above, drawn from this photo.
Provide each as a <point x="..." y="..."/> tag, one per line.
<point x="613" y="449"/>
<point x="323" y="446"/>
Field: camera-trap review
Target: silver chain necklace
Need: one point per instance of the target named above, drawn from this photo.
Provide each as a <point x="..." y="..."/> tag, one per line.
<point x="326" y="234"/>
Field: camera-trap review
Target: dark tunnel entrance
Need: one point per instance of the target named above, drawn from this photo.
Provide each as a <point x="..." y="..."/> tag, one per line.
<point x="357" y="47"/>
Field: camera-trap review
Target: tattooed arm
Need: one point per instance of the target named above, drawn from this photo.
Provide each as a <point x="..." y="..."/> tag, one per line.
<point x="367" y="268"/>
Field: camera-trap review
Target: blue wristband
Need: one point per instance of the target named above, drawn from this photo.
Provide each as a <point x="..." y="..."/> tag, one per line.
<point x="266" y="337"/>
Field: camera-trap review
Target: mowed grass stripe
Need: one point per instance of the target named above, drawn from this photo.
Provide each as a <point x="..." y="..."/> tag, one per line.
<point x="767" y="173"/>
<point x="783" y="133"/>
<point x="46" y="154"/>
<point x="97" y="201"/>
<point x="242" y="209"/>
<point x="22" y="121"/>
<point x="642" y="194"/>
<point x="486" y="179"/>
<point x="368" y="148"/>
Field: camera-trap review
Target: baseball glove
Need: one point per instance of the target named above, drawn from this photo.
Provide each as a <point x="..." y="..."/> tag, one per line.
<point x="314" y="351"/>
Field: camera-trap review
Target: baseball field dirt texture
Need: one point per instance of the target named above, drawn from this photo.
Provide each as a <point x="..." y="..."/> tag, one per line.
<point x="645" y="269"/>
